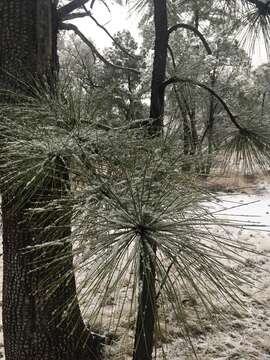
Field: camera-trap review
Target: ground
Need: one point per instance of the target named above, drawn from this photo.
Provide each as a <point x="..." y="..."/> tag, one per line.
<point x="237" y="333"/>
<point x="240" y="333"/>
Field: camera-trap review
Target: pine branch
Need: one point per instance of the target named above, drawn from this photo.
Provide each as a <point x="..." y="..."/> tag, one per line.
<point x="260" y="4"/>
<point x="71" y="6"/>
<point x="72" y="27"/>
<point x="108" y="33"/>
<point x="75" y="15"/>
<point x="175" y="80"/>
<point x="195" y="31"/>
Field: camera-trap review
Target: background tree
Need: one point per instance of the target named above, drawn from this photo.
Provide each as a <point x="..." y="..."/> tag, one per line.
<point x="118" y="94"/>
<point x="214" y="59"/>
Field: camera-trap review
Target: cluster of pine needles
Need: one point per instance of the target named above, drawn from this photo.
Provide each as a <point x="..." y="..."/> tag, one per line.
<point x="113" y="184"/>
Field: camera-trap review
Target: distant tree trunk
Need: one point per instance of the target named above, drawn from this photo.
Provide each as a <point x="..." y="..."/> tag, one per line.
<point x="210" y="127"/>
<point x="159" y="66"/>
<point x="186" y="131"/>
<point x="146" y="316"/>
<point x="35" y="328"/>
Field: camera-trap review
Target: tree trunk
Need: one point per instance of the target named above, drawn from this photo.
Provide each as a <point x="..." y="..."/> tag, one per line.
<point x="210" y="127"/>
<point x="159" y="66"/>
<point x="187" y="141"/>
<point x="35" y="327"/>
<point x="147" y="307"/>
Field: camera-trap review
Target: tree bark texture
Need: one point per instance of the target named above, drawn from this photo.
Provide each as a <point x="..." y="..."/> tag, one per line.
<point x="37" y="323"/>
<point x="27" y="42"/>
<point x="35" y="327"/>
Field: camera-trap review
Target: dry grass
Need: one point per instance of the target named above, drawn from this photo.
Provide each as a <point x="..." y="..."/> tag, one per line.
<point x="234" y="183"/>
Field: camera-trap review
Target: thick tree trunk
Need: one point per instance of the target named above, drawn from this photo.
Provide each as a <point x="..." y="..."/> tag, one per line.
<point x="38" y="289"/>
<point x="17" y="42"/>
<point x="35" y="327"/>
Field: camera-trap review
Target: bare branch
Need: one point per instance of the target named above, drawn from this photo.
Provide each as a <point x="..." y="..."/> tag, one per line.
<point x="71" y="6"/>
<point x="103" y="2"/>
<point x="68" y="26"/>
<point x="92" y="4"/>
<point x="136" y="124"/>
<point x="195" y="31"/>
<point x="175" y="80"/>
<point x="75" y="15"/>
<point x="172" y="56"/>
<point x="107" y="32"/>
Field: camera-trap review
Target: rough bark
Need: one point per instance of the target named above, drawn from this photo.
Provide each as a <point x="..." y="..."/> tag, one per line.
<point x="34" y="327"/>
<point x="17" y="42"/>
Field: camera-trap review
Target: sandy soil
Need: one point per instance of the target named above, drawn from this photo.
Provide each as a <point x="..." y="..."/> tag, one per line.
<point x="240" y="333"/>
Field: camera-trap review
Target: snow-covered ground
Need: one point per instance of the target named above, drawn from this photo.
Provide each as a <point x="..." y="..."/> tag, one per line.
<point x="241" y="333"/>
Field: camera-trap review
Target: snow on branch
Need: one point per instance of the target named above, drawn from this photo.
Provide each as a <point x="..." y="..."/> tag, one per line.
<point x="74" y="15"/>
<point x="195" y="31"/>
<point x="72" y="27"/>
<point x="108" y="33"/>
<point x="175" y="80"/>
